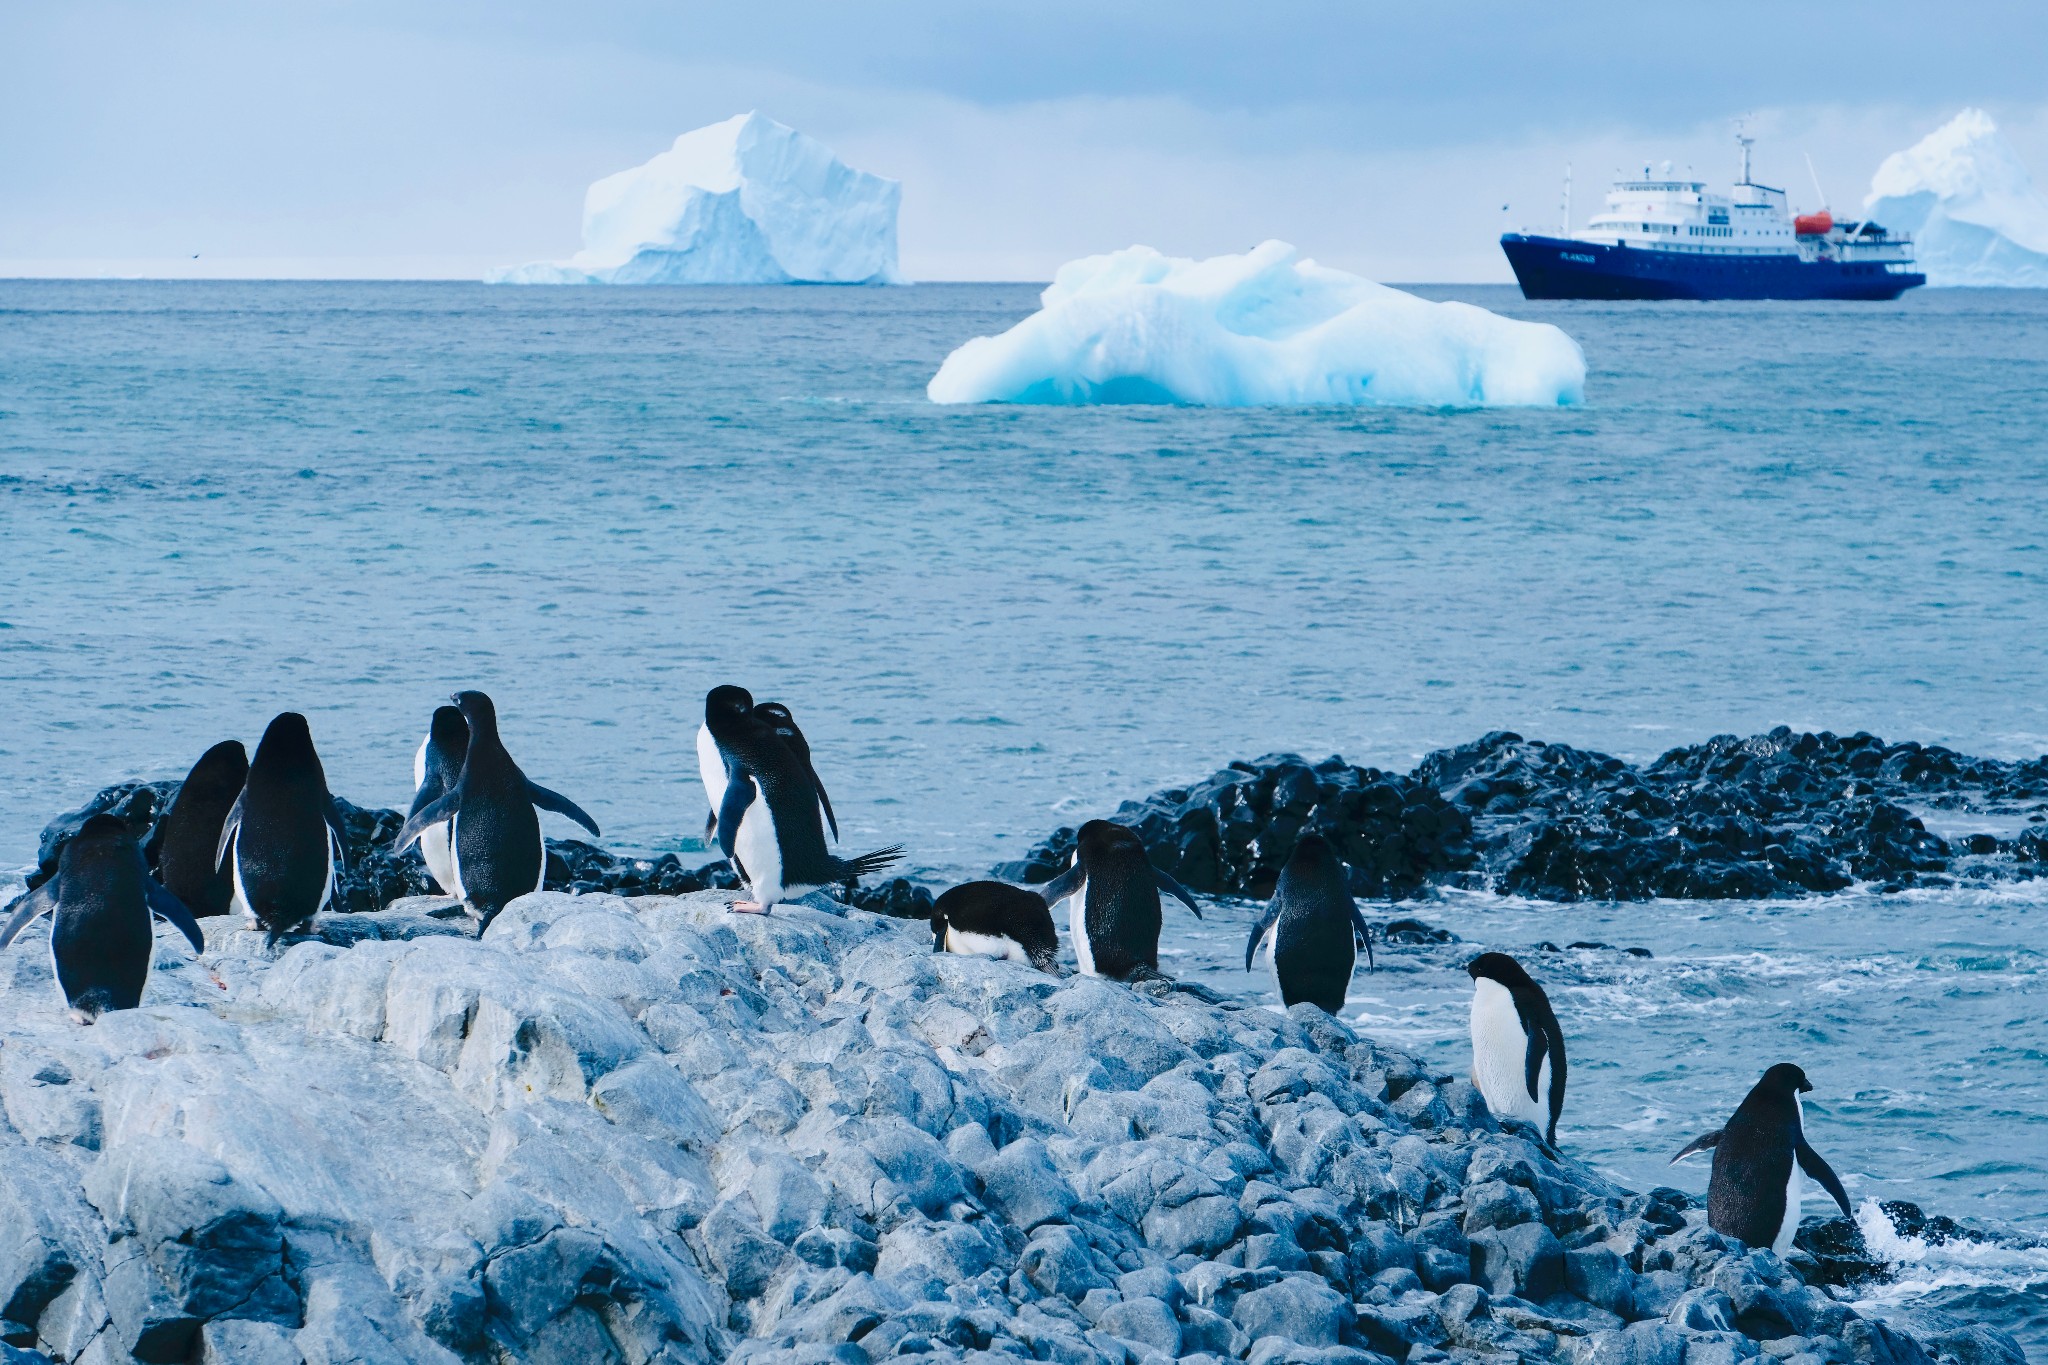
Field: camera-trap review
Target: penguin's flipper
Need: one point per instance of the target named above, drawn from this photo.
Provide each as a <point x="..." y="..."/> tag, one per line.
<point x="165" y="905"/>
<point x="41" y="901"/>
<point x="562" y="805"/>
<point x="1816" y="1166"/>
<point x="424" y="817"/>
<point x="739" y="794"/>
<point x="335" y="823"/>
<point x="1704" y="1142"/>
<point x="229" y="828"/>
<point x="1259" y="932"/>
<point x="1179" y="892"/>
<point x="824" y="801"/>
<point x="1539" y="1047"/>
<point x="1363" y="933"/>
<point x="1062" y="886"/>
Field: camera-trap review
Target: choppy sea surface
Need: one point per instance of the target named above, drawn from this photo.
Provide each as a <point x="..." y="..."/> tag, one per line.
<point x="225" y="500"/>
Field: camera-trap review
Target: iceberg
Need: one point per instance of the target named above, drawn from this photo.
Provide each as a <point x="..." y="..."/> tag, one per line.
<point x="1267" y="327"/>
<point x="1974" y="212"/>
<point x="746" y="201"/>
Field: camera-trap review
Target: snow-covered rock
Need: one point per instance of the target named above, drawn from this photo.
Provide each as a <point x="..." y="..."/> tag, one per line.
<point x="653" y="1130"/>
<point x="1267" y="327"/>
<point x="1976" y="216"/>
<point x="746" y="201"/>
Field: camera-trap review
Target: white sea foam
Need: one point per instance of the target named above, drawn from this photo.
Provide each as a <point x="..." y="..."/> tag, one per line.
<point x="1921" y="1267"/>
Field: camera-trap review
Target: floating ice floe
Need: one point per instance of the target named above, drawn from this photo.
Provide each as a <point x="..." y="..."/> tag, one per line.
<point x="1974" y="212"/>
<point x="746" y="201"/>
<point x="1267" y="327"/>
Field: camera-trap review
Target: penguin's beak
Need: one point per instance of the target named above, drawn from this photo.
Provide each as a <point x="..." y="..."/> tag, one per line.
<point x="1805" y="1087"/>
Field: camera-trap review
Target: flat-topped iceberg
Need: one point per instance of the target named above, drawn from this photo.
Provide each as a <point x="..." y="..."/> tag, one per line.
<point x="746" y="201"/>
<point x="1974" y="212"/>
<point x="1267" y="327"/>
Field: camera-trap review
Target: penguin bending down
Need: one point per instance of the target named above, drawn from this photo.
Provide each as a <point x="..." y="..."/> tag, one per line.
<point x="283" y="839"/>
<point x="102" y="938"/>
<point x="187" y="858"/>
<point x="712" y="769"/>
<point x="1312" y="929"/>
<point x="1112" y="895"/>
<point x="434" y="770"/>
<point x="495" y="849"/>
<point x="769" y="822"/>
<point x="996" y="919"/>
<point x="1753" y="1193"/>
<point x="1517" y="1048"/>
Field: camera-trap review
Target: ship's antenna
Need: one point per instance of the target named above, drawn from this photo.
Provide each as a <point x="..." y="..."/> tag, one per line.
<point x="1816" y="180"/>
<point x="1567" y="229"/>
<point x="1743" y="140"/>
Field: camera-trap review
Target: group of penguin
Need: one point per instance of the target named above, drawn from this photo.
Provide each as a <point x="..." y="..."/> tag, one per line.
<point x="264" y="836"/>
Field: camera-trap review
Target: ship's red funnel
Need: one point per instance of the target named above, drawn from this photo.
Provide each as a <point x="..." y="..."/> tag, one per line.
<point x="1813" y="224"/>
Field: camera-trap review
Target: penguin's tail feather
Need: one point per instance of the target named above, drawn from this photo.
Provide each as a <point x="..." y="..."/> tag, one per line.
<point x="867" y="863"/>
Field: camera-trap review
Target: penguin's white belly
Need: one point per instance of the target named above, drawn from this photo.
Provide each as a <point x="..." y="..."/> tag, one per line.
<point x="710" y="769"/>
<point x="984" y="945"/>
<point x="760" y="854"/>
<point x="435" y="851"/>
<point x="1077" y="930"/>
<point x="240" y="901"/>
<point x="1500" y="1053"/>
<point x="1794" y="1186"/>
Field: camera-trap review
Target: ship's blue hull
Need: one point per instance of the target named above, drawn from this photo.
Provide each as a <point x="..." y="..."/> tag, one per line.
<point x="1561" y="268"/>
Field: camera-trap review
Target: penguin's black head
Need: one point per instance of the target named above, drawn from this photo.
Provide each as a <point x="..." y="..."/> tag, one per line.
<point x="449" y="732"/>
<point x="91" y="1004"/>
<point x="1786" y="1078"/>
<point x="1098" y="837"/>
<point x="1312" y="850"/>
<point x="478" y="710"/>
<point x="223" y="768"/>
<point x="99" y="833"/>
<point x="286" y="740"/>
<point x="777" y="715"/>
<point x="1498" y="967"/>
<point x="727" y="703"/>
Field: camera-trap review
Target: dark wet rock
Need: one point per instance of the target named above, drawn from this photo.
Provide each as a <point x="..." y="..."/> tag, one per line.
<point x="1779" y="814"/>
<point x="898" y="898"/>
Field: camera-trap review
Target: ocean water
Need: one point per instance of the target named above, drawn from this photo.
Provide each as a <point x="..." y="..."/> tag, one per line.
<point x="225" y="500"/>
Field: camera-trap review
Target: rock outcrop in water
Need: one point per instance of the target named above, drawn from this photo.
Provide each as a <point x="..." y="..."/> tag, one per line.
<point x="1779" y="814"/>
<point x="651" y="1130"/>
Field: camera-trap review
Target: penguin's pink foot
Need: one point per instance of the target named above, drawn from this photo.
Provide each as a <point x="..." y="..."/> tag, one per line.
<point x="749" y="908"/>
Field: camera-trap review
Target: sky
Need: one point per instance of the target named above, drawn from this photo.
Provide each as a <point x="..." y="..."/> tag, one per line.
<point x="396" y="140"/>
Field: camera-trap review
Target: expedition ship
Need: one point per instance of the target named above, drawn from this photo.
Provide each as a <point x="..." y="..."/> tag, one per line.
<point x="1666" y="238"/>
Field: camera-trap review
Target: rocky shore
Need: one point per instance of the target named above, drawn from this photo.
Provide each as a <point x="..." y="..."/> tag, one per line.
<point x="638" y="1130"/>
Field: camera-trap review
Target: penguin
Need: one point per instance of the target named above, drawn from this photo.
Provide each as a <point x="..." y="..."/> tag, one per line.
<point x="996" y="919"/>
<point x="434" y="769"/>
<point x="1517" y="1048"/>
<point x="1753" y="1193"/>
<point x="1112" y="895"/>
<point x="102" y="938"/>
<point x="769" y="822"/>
<point x="1311" y="929"/>
<point x="711" y="765"/>
<point x="188" y="839"/>
<point x="283" y="838"/>
<point x="495" y="849"/>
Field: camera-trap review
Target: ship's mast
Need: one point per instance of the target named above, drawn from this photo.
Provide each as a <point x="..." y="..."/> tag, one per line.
<point x="1566" y="231"/>
<point x="1743" y="140"/>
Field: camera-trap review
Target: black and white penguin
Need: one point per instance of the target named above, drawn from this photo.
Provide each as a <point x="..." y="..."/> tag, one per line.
<point x="769" y="821"/>
<point x="996" y="919"/>
<point x="102" y="939"/>
<point x="1311" y="929"/>
<point x="1112" y="895"/>
<point x="283" y="838"/>
<point x="1753" y="1193"/>
<point x="188" y="837"/>
<point x="712" y="767"/>
<point x="495" y="849"/>
<point x="435" y="768"/>
<point x="1517" y="1048"/>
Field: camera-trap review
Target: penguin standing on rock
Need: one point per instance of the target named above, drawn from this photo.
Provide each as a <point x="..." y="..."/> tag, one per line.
<point x="712" y="766"/>
<point x="769" y="813"/>
<point x="495" y="849"/>
<point x="1112" y="895"/>
<point x="102" y="937"/>
<point x="188" y="847"/>
<point x="435" y="768"/>
<point x="1517" y="1048"/>
<point x="1311" y="929"/>
<point x="996" y="919"/>
<point x="283" y="838"/>
<point x="1753" y="1193"/>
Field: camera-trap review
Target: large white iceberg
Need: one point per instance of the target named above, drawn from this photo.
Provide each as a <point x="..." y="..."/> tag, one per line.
<point x="1264" y="328"/>
<point x="746" y="201"/>
<point x="1974" y="212"/>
